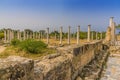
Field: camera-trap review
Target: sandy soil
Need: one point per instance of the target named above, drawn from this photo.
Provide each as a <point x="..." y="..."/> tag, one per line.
<point x="2" y="48"/>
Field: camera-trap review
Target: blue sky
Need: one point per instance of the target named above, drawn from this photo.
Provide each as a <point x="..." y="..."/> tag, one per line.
<point x="39" y="14"/>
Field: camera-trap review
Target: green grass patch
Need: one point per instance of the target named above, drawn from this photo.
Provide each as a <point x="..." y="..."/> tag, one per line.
<point x="28" y="48"/>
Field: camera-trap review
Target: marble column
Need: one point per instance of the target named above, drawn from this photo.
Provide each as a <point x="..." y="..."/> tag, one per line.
<point x="41" y="35"/>
<point x="113" y="32"/>
<point x="78" y="35"/>
<point x="27" y="34"/>
<point x="55" y="37"/>
<point x="61" y="29"/>
<point x="47" y="35"/>
<point x="8" y="35"/>
<point x="5" y="35"/>
<point x="96" y="35"/>
<point x="30" y="34"/>
<point x="24" y="35"/>
<point x="69" y="35"/>
<point x="36" y="35"/>
<point x="12" y="34"/>
<point x="18" y="35"/>
<point x="33" y="35"/>
<point x="92" y="35"/>
<point x="101" y="36"/>
<point x="111" y="21"/>
<point x="89" y="29"/>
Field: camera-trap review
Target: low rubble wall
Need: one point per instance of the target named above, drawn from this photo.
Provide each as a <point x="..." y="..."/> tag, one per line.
<point x="65" y="65"/>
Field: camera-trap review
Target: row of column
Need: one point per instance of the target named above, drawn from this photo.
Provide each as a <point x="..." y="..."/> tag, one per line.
<point x="28" y="34"/>
<point x="10" y="34"/>
<point x="78" y="35"/>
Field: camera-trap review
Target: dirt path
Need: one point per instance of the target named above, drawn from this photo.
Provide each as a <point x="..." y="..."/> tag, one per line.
<point x="2" y="48"/>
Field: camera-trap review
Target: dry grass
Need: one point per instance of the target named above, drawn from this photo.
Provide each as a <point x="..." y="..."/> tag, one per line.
<point x="64" y="42"/>
<point x="9" y="51"/>
<point x="12" y="51"/>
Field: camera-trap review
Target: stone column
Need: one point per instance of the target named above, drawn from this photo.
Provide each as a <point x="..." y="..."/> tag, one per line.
<point x="8" y="35"/>
<point x="24" y="35"/>
<point x="36" y="35"/>
<point x="33" y="35"/>
<point x="89" y="29"/>
<point x="101" y="36"/>
<point x="111" y="21"/>
<point x="78" y="35"/>
<point x="30" y="34"/>
<point x="113" y="32"/>
<point x="92" y="35"/>
<point x="27" y="34"/>
<point x="5" y="35"/>
<point x="12" y="34"/>
<point x="69" y="35"/>
<point x="18" y="35"/>
<point x="47" y="35"/>
<point x="55" y="34"/>
<point x="61" y="29"/>
<point x="96" y="35"/>
<point x="41" y="35"/>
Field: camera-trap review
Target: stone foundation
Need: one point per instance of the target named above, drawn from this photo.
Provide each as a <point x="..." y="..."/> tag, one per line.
<point x="16" y="68"/>
<point x="67" y="64"/>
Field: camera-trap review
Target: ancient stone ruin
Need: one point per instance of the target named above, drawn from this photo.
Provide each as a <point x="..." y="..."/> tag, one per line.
<point x="67" y="64"/>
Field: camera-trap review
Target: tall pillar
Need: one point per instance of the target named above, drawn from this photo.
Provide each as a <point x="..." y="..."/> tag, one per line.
<point x="8" y="35"/>
<point x="36" y="35"/>
<point x="69" y="35"/>
<point x="12" y="34"/>
<point x="47" y="35"/>
<point x="92" y="35"/>
<point x="24" y="34"/>
<point x="89" y="26"/>
<point x="101" y="36"/>
<point x="113" y="32"/>
<point x="5" y="36"/>
<point x="41" y="35"/>
<point x="27" y="34"/>
<point x="96" y="35"/>
<point x="33" y="35"/>
<point x="111" y="21"/>
<point x="55" y="34"/>
<point x="18" y="35"/>
<point x="61" y="29"/>
<point x="78" y="35"/>
<point x="30" y="35"/>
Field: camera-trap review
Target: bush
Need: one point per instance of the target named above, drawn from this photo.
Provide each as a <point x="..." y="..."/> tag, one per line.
<point x="32" y="46"/>
<point x="15" y="42"/>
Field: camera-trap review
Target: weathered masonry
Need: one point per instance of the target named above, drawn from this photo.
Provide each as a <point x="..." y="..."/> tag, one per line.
<point x="64" y="65"/>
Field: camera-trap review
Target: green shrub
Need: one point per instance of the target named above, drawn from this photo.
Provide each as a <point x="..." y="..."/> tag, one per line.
<point x="32" y="46"/>
<point x="15" y="42"/>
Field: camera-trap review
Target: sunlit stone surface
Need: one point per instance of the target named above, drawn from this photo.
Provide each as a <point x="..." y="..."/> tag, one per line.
<point x="112" y="71"/>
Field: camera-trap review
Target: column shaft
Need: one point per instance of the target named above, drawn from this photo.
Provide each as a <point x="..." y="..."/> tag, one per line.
<point x="78" y="35"/>
<point x="89" y="26"/>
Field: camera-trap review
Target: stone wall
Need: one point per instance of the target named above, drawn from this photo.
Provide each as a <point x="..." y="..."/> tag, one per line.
<point x="65" y="65"/>
<point x="16" y="68"/>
